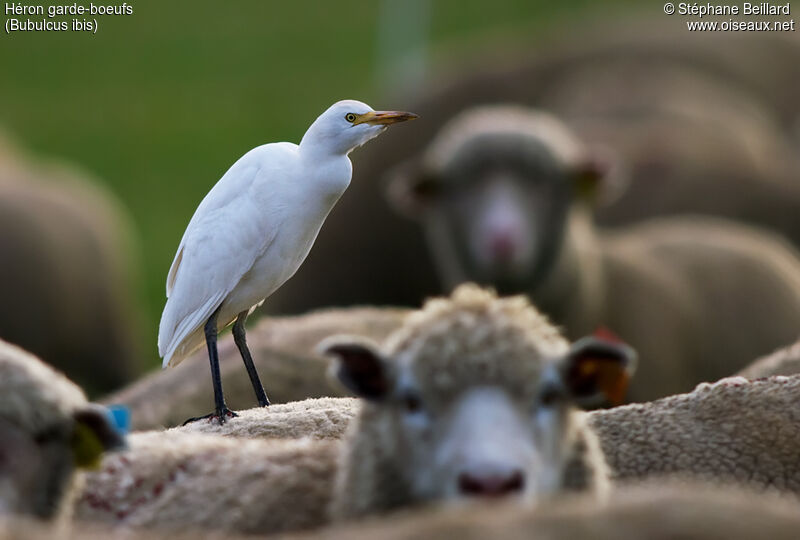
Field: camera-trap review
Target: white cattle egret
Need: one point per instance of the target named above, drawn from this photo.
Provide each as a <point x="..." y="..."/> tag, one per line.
<point x="252" y="232"/>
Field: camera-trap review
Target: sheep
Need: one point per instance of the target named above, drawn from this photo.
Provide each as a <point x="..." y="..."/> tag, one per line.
<point x="730" y="432"/>
<point x="784" y="361"/>
<point x="177" y="480"/>
<point x="650" y="511"/>
<point x="48" y="431"/>
<point x="503" y="194"/>
<point x="734" y="431"/>
<point x="527" y="394"/>
<point x="283" y="352"/>
<point x="66" y="279"/>
<point x="473" y="396"/>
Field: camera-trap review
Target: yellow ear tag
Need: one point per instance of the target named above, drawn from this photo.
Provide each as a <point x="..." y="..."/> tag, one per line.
<point x="86" y="446"/>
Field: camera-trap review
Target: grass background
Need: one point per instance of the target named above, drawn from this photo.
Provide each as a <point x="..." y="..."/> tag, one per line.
<point x="159" y="103"/>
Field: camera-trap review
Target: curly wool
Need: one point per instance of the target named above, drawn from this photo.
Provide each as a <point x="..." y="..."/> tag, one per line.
<point x="733" y="430"/>
<point x="320" y="418"/>
<point x="177" y="481"/>
<point x="474" y="337"/>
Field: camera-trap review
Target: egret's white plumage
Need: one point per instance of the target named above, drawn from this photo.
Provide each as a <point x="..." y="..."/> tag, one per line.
<point x="257" y="224"/>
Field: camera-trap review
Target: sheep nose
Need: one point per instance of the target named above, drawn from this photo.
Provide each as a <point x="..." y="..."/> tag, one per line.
<point x="490" y="485"/>
<point x="504" y="244"/>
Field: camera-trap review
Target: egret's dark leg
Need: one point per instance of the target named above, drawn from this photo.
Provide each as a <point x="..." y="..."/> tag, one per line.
<point x="241" y="343"/>
<point x="221" y="412"/>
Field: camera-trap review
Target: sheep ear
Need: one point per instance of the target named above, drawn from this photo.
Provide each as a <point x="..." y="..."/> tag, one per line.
<point x="93" y="434"/>
<point x="597" y="370"/>
<point x="597" y="175"/>
<point x="359" y="366"/>
<point x="410" y="190"/>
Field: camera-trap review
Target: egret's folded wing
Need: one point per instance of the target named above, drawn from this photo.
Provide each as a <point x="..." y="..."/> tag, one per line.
<point x="173" y="270"/>
<point x="219" y="247"/>
<point x="235" y="182"/>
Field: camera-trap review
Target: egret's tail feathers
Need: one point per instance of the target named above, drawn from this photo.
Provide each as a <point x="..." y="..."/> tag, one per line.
<point x="194" y="341"/>
<point x="181" y="330"/>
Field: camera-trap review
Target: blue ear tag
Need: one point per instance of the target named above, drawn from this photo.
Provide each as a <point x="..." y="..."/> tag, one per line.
<point x="120" y="418"/>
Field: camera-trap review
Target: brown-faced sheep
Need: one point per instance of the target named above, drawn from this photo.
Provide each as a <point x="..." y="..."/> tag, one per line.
<point x="473" y="396"/>
<point x="177" y="481"/>
<point x="283" y="353"/>
<point x="784" y="361"/>
<point x="66" y="279"/>
<point x="47" y="431"/>
<point x="503" y="192"/>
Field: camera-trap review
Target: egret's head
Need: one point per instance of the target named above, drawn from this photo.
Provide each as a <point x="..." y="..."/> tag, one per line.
<point x="348" y="124"/>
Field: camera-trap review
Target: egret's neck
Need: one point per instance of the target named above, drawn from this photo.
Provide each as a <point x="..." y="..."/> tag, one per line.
<point x="329" y="171"/>
<point x="321" y="143"/>
<point x="319" y="157"/>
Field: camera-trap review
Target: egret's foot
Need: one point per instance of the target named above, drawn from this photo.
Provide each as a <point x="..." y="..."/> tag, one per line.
<point x="220" y="416"/>
<point x="263" y="402"/>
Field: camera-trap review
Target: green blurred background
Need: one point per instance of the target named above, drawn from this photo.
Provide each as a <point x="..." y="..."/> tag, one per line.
<point x="160" y="103"/>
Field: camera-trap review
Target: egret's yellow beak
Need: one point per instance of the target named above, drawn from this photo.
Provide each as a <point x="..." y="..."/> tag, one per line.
<point x="384" y="118"/>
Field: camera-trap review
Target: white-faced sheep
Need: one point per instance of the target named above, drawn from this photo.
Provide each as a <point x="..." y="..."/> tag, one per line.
<point x="283" y="352"/>
<point x="473" y="396"/>
<point x="503" y="195"/>
<point x="47" y="431"/>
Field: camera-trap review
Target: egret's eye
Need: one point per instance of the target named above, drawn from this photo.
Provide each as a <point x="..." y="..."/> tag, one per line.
<point x="350" y="117"/>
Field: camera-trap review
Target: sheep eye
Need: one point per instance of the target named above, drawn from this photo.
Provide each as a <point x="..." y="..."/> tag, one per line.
<point x="550" y="395"/>
<point x="412" y="403"/>
<point x="350" y="117"/>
